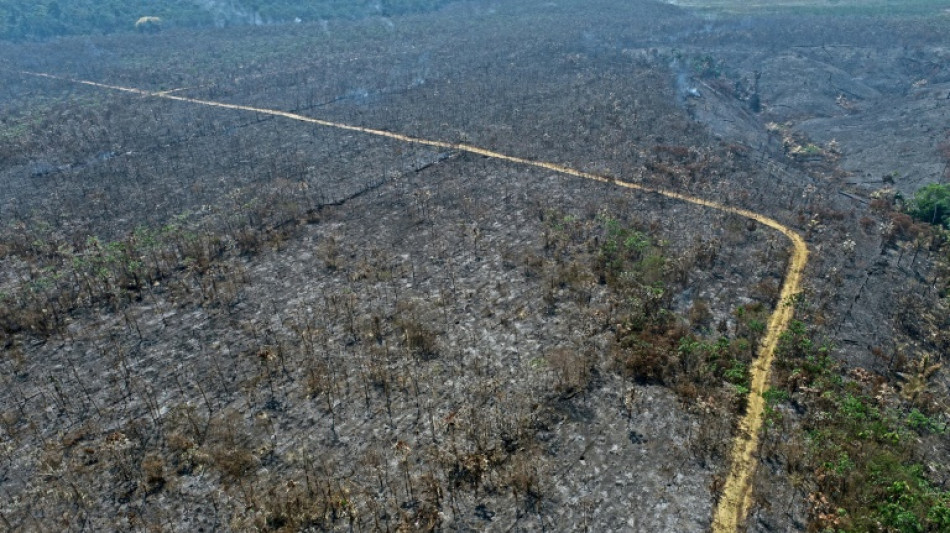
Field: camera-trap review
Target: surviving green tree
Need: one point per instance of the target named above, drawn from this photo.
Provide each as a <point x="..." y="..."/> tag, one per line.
<point x="932" y="204"/>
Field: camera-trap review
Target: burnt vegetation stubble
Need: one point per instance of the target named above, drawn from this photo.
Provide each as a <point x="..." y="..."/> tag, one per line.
<point x="336" y="330"/>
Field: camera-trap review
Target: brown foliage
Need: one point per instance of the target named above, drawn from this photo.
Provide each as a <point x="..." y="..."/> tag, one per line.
<point x="699" y="314"/>
<point x="153" y="470"/>
<point x="419" y="339"/>
<point x="572" y="370"/>
<point x="647" y="357"/>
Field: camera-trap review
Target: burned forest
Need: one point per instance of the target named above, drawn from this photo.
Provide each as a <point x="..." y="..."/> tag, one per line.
<point x="472" y="265"/>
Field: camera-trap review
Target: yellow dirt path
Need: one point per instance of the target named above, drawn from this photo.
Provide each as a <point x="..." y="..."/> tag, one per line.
<point x="736" y="497"/>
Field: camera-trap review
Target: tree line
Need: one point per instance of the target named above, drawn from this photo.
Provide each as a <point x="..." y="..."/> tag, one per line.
<point x="22" y="20"/>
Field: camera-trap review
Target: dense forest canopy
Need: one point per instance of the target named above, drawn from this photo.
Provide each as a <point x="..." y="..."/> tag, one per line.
<point x="34" y="20"/>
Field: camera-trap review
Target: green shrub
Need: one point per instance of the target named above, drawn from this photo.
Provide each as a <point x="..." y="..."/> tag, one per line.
<point x="861" y="452"/>
<point x="939" y="514"/>
<point x="923" y="423"/>
<point x="932" y="204"/>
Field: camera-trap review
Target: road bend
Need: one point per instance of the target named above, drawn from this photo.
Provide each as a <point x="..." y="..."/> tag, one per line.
<point x="736" y="497"/>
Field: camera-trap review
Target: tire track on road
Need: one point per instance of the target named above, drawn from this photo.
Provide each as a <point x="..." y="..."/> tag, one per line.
<point x="736" y="497"/>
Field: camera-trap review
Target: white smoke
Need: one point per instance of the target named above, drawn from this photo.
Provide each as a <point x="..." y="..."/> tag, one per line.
<point x="684" y="86"/>
<point x="422" y="70"/>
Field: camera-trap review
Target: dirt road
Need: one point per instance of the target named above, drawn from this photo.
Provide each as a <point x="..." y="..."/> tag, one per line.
<point x="736" y="496"/>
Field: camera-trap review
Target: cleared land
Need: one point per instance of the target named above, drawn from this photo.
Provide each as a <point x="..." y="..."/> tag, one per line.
<point x="218" y="317"/>
<point x="887" y="8"/>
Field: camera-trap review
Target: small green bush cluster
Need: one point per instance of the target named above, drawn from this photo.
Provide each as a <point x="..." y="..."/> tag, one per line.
<point x="859" y="448"/>
<point x="932" y="204"/>
<point x="623" y="251"/>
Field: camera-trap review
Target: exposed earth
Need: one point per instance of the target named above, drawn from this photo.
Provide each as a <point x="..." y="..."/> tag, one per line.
<point x="221" y="320"/>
